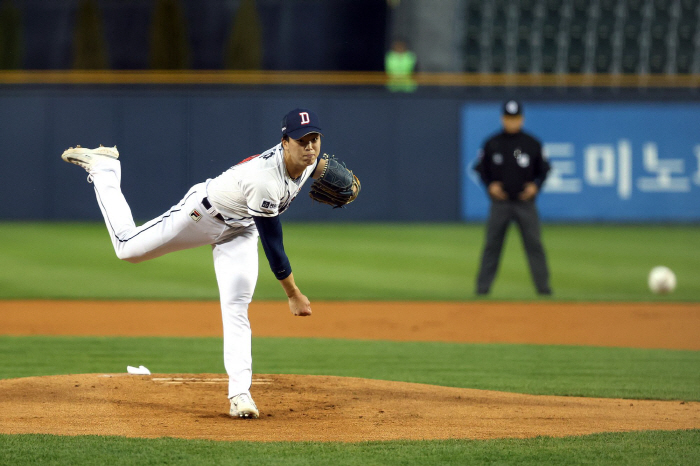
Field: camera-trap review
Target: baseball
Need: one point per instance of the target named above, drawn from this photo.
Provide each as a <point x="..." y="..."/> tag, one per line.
<point x="662" y="280"/>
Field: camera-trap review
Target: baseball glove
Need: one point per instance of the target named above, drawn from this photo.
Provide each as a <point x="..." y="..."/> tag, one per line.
<point x="335" y="185"/>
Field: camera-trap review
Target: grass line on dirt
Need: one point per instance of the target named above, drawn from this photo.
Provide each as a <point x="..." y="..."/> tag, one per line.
<point x="531" y="369"/>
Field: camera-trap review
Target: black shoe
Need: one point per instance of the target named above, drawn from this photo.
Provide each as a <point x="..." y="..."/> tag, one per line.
<point x="546" y="292"/>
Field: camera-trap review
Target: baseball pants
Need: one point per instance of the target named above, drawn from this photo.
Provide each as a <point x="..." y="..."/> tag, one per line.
<point x="188" y="225"/>
<point x="524" y="213"/>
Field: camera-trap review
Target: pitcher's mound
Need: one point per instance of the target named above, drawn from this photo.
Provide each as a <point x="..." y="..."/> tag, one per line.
<point x="294" y="408"/>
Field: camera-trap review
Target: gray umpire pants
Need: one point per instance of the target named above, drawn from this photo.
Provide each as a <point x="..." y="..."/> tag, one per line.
<point x="524" y="213"/>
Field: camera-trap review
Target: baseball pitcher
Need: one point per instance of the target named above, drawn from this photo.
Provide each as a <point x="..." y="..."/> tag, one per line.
<point x="229" y="212"/>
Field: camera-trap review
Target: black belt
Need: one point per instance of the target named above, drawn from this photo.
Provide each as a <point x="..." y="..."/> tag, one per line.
<point x="210" y="210"/>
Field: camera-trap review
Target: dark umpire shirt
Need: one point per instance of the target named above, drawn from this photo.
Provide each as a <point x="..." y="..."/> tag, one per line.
<point x="513" y="159"/>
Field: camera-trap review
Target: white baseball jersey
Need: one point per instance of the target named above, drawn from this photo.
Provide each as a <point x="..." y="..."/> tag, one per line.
<point x="258" y="186"/>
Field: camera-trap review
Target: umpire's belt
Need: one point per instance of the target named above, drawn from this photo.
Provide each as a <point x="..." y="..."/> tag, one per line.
<point x="211" y="210"/>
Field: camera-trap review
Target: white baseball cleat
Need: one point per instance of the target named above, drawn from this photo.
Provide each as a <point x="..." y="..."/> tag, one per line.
<point x="87" y="158"/>
<point x="243" y="406"/>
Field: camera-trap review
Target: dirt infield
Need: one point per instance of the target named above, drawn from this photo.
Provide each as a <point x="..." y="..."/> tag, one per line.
<point x="339" y="408"/>
<point x="638" y="325"/>
<point x="313" y="408"/>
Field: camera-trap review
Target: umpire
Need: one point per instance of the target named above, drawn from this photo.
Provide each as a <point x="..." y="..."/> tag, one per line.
<point x="512" y="167"/>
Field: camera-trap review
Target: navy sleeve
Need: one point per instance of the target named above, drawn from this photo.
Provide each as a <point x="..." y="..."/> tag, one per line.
<point x="541" y="168"/>
<point x="318" y="159"/>
<point x="270" y="230"/>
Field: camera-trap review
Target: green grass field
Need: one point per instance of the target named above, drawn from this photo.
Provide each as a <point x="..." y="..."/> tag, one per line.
<point x="358" y="262"/>
<point x="633" y="449"/>
<point x="376" y="261"/>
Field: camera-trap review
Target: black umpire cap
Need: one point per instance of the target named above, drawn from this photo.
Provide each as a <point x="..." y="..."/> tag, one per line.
<point x="512" y="107"/>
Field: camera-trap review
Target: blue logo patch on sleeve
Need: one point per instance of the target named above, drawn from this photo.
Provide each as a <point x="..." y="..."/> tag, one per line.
<point x="268" y="204"/>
